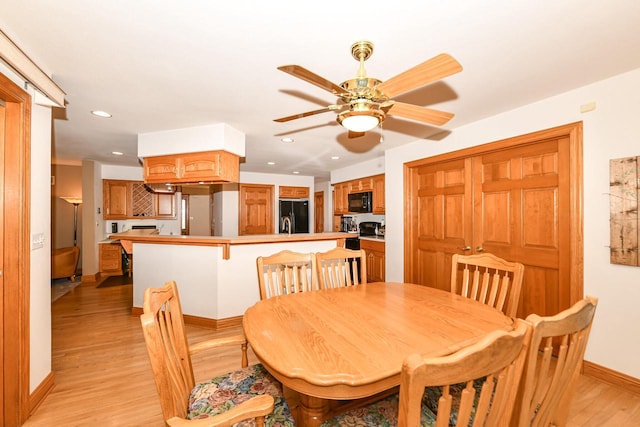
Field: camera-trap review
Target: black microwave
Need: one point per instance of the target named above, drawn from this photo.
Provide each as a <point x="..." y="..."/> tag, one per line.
<point x="360" y="202"/>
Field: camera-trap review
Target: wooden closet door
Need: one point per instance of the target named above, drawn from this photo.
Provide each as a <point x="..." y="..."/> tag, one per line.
<point x="441" y="212"/>
<point x="521" y="205"/>
<point x="520" y="199"/>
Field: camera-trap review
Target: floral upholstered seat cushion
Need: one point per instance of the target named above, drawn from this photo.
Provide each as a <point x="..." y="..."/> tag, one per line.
<point x="384" y="413"/>
<point x="226" y="391"/>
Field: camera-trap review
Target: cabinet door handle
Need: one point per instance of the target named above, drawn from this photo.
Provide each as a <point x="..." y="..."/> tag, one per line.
<point x="479" y="249"/>
<point x="466" y="248"/>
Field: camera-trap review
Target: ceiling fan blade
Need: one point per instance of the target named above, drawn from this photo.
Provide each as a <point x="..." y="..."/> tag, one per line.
<point x="314" y="79"/>
<point x="421" y="114"/>
<point x="301" y="115"/>
<point x="434" y="69"/>
<point x="353" y="134"/>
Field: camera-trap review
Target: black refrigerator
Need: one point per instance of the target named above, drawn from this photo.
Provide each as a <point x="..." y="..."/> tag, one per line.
<point x="298" y="213"/>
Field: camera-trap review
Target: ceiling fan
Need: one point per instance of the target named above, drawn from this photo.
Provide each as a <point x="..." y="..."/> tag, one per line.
<point x="364" y="102"/>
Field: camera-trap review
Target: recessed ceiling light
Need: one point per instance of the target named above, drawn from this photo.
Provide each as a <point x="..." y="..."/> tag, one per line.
<point x="335" y="157"/>
<point x="271" y="163"/>
<point x="101" y="113"/>
<point x="117" y="153"/>
<point x="296" y="172"/>
<point x="287" y="140"/>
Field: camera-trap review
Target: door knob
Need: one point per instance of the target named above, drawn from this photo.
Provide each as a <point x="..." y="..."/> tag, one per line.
<point x="479" y="249"/>
<point x="466" y="248"/>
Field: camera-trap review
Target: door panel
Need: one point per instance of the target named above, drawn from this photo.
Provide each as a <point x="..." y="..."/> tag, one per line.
<point x="512" y="199"/>
<point x="442" y="220"/>
<point x="256" y="209"/>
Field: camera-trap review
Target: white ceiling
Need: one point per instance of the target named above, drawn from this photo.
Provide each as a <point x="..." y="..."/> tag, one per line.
<point x="160" y="65"/>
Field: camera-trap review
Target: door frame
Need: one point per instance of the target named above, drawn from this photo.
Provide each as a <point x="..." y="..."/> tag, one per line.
<point x="571" y="131"/>
<point x="15" y="238"/>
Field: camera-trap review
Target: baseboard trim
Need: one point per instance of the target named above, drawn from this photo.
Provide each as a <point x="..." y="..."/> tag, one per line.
<point x="90" y="277"/>
<point x="42" y="391"/>
<point x="217" y="324"/>
<point x="610" y="376"/>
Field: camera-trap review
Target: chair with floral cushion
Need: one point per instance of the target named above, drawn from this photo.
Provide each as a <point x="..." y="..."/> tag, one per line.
<point x="488" y="279"/>
<point x="340" y="267"/>
<point x="249" y="396"/>
<point x="476" y="385"/>
<point x="553" y="365"/>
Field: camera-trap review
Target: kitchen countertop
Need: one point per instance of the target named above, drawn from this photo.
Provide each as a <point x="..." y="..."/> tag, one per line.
<point x="373" y="238"/>
<point x="151" y="237"/>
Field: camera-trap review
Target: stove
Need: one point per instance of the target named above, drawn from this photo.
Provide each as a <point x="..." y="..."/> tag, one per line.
<point x="370" y="228"/>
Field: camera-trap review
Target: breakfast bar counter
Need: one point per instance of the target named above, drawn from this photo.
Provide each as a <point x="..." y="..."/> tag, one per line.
<point x="152" y="236"/>
<point x="216" y="275"/>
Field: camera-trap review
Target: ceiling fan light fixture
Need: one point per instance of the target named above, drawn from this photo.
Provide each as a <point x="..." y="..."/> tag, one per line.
<point x="360" y="121"/>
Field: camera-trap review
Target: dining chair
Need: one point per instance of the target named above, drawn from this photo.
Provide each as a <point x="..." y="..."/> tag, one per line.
<point x="488" y="279"/>
<point x="286" y="272"/>
<point x="476" y="384"/>
<point x="340" y="267"/>
<point x="553" y="365"/>
<point x="248" y="393"/>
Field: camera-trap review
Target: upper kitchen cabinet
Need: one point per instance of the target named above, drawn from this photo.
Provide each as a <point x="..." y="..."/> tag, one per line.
<point x="378" y="194"/>
<point x="133" y="200"/>
<point x="116" y="196"/>
<point x="340" y="202"/>
<point x="361" y="185"/>
<point x="341" y="192"/>
<point x="287" y="192"/>
<point x="206" y="167"/>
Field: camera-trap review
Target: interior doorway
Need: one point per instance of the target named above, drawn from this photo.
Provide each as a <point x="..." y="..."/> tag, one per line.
<point x="14" y="264"/>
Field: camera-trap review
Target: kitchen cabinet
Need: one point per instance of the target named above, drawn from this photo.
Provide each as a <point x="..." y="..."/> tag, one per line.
<point x="360" y="185"/>
<point x="375" y="259"/>
<point x="287" y="192"/>
<point x="206" y="166"/>
<point x="132" y="200"/>
<point x="340" y="201"/>
<point x="110" y="259"/>
<point x="378" y="194"/>
<point x="116" y="198"/>
<point x="341" y="192"/>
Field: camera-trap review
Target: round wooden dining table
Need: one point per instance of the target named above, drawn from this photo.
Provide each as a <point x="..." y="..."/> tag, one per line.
<point x="334" y="349"/>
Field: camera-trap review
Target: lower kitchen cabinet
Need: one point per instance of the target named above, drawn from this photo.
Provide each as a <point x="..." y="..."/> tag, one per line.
<point x="110" y="261"/>
<point x="375" y="259"/>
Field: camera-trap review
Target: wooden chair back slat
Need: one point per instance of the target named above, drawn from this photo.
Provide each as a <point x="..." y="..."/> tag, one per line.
<point x="286" y="272"/>
<point x="553" y="365"/>
<point x="339" y="267"/>
<point x="164" y="333"/>
<point x="496" y="361"/>
<point x="489" y="280"/>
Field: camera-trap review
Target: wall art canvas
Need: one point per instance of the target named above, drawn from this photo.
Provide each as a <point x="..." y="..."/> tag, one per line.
<point x="624" y="186"/>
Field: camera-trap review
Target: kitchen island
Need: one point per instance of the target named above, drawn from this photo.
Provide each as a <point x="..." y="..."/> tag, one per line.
<point x="216" y="276"/>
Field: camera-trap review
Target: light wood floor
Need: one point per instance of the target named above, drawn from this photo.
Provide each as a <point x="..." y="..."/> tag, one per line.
<point x="103" y="377"/>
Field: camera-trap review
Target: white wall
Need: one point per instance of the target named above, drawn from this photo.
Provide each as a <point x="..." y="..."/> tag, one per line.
<point x="367" y="168"/>
<point x="609" y="133"/>
<point x="40" y="267"/>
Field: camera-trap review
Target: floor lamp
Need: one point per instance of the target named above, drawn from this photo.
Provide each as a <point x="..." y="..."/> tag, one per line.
<point x="75" y="201"/>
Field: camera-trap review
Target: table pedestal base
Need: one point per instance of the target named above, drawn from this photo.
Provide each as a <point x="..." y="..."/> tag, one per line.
<point x="310" y="411"/>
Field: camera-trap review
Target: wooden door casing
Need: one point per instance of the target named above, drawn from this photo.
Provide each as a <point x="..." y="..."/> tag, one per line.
<point x="14" y="234"/>
<point x="520" y="199"/>
<point x="256" y="209"/>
